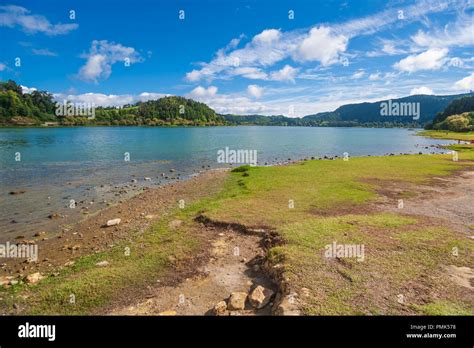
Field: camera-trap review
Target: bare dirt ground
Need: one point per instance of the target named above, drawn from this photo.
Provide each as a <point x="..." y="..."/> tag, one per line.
<point x="233" y="266"/>
<point x="449" y="199"/>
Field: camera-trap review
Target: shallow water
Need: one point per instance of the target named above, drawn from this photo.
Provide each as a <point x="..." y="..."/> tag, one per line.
<point x="88" y="164"/>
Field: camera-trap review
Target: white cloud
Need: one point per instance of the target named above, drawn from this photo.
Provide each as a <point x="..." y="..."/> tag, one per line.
<point x="432" y="59"/>
<point x="375" y="76"/>
<point x="11" y="16"/>
<point x="457" y="34"/>
<point x="421" y="90"/>
<point x="255" y="91"/>
<point x="250" y="73"/>
<point x="2" y="66"/>
<point x="358" y="74"/>
<point x="267" y="37"/>
<point x="322" y="45"/>
<point x="102" y="55"/>
<point x="287" y="73"/>
<point x="27" y="90"/>
<point x="201" y="92"/>
<point x="100" y="99"/>
<point x="466" y="83"/>
<point x="43" y="52"/>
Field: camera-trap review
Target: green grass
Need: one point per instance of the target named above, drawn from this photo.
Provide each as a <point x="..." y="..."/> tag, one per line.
<point x="94" y="287"/>
<point x="467" y="136"/>
<point x="443" y="308"/>
<point x="329" y="197"/>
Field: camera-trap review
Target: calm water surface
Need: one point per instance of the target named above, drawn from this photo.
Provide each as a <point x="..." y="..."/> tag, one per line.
<point x="87" y="164"/>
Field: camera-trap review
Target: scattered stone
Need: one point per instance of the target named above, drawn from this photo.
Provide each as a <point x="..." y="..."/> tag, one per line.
<point x="5" y="280"/>
<point x="19" y="192"/>
<point x="39" y="234"/>
<point x="220" y="308"/>
<point x="54" y="216"/>
<point x="113" y="222"/>
<point x="175" y="224"/>
<point x="33" y="278"/>
<point x="69" y="263"/>
<point x="102" y="264"/>
<point x="260" y="297"/>
<point x="287" y="307"/>
<point x="237" y="300"/>
<point x="147" y="179"/>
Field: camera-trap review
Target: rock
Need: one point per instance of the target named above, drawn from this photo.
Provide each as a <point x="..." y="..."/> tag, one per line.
<point x="175" y="223"/>
<point x="149" y="217"/>
<point x="5" y="280"/>
<point x="102" y="264"/>
<point x="260" y="297"/>
<point x="172" y="170"/>
<point x="39" y="234"/>
<point x="54" y="216"/>
<point x="34" y="278"/>
<point x="220" y="308"/>
<point x="237" y="301"/>
<point x="19" y="192"/>
<point x="113" y="222"/>
<point x="134" y="180"/>
<point x="69" y="263"/>
<point x="147" y="179"/>
<point x="287" y="307"/>
<point x="167" y="313"/>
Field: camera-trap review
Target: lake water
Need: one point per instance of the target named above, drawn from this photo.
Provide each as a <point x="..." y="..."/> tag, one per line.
<point x="89" y="164"/>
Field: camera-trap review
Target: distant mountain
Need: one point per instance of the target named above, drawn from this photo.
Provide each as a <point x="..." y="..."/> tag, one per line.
<point x="418" y="110"/>
<point x="366" y="113"/>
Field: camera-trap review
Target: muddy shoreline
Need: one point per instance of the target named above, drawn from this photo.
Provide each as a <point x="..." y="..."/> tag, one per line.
<point x="90" y="234"/>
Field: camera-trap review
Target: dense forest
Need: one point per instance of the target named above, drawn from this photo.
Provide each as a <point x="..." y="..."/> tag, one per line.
<point x="36" y="108"/>
<point x="39" y="107"/>
<point x="21" y="108"/>
<point x="458" y="116"/>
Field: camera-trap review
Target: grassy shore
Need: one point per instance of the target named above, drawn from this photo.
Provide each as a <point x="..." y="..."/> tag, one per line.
<point x="309" y="205"/>
<point x="467" y="136"/>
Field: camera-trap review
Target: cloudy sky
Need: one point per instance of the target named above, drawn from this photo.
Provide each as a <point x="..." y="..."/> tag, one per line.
<point x="243" y="57"/>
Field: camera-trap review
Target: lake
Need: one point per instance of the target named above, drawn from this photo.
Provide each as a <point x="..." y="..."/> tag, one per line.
<point x="95" y="166"/>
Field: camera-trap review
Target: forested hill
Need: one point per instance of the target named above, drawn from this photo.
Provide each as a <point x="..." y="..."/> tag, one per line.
<point x="164" y="111"/>
<point x="370" y="113"/>
<point x="363" y="114"/>
<point x="18" y="108"/>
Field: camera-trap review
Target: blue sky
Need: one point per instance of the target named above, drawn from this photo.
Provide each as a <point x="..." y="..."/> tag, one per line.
<point x="267" y="57"/>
